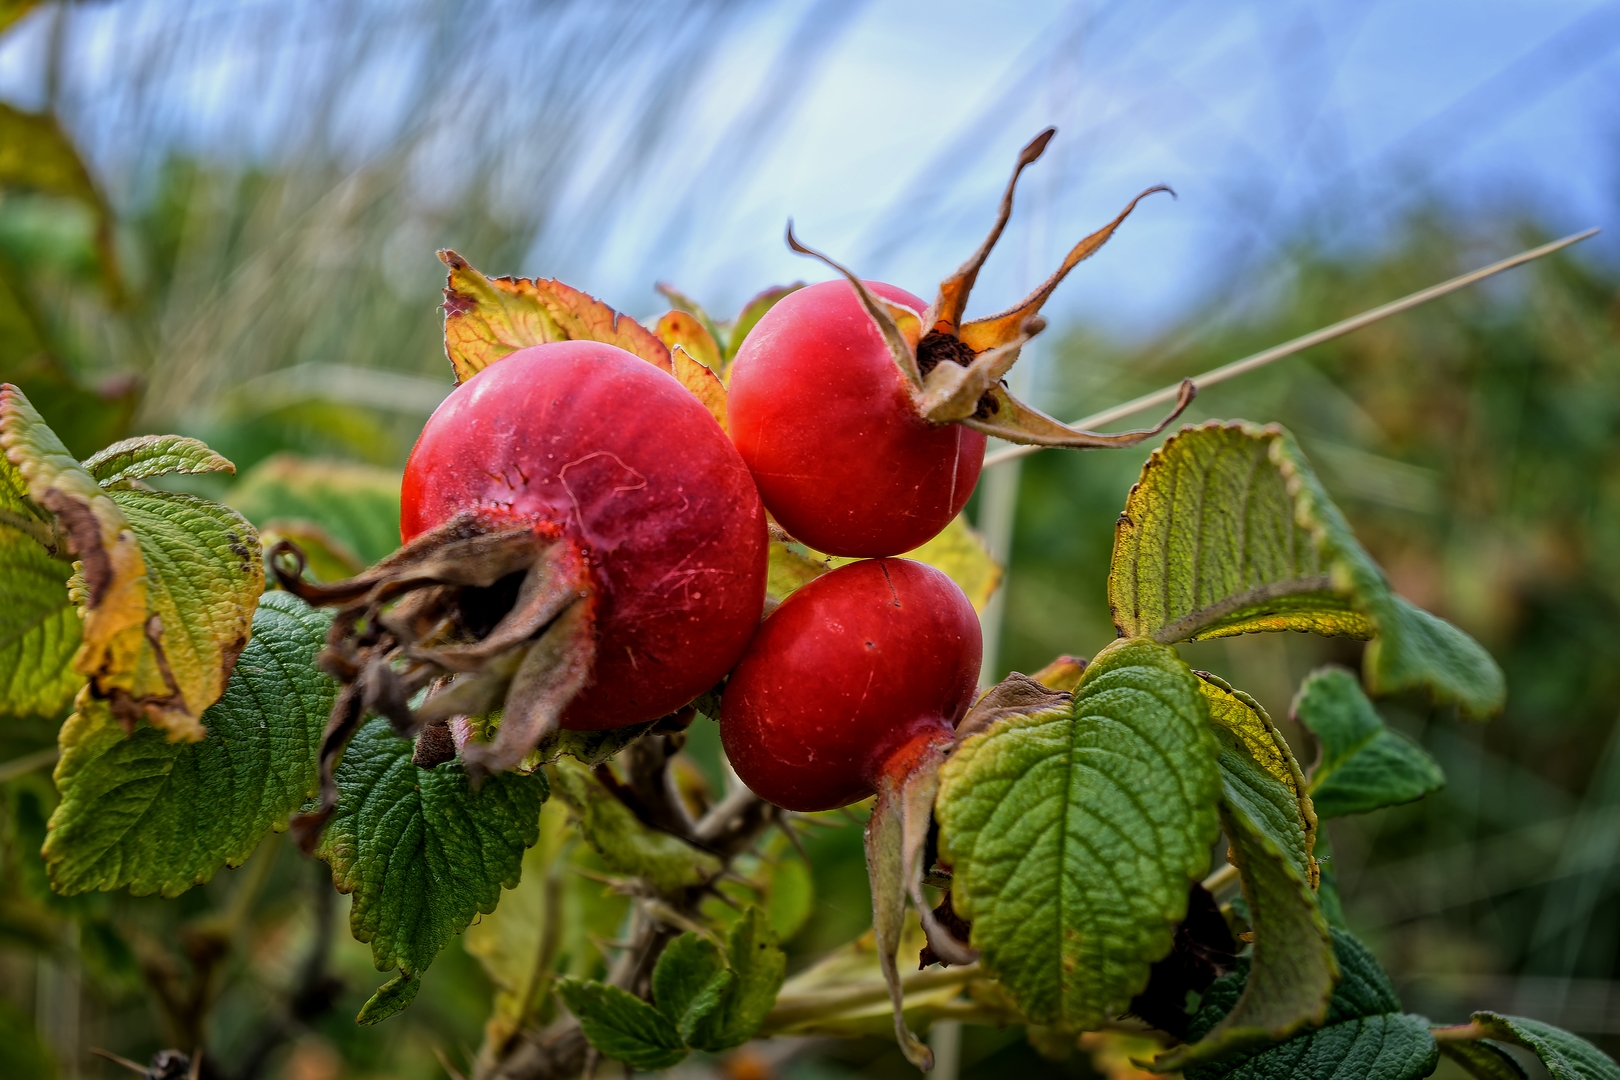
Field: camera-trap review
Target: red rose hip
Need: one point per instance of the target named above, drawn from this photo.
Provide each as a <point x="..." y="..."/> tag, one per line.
<point x="826" y="423"/>
<point x="847" y="679"/>
<point x="607" y="454"/>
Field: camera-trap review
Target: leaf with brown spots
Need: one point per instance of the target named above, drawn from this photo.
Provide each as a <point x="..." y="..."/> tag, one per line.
<point x="486" y="319"/>
<point x="687" y="330"/>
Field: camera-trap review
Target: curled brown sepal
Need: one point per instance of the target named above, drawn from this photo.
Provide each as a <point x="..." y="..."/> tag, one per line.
<point x="486" y="612"/>
<point x="955" y="369"/>
<point x="896" y="837"/>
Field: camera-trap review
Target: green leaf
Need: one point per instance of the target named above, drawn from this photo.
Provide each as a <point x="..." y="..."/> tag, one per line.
<point x="357" y="506"/>
<point x="1268" y="826"/>
<point x="1228" y="531"/>
<point x="757" y="970"/>
<point x="161" y="816"/>
<point x="1483" y="1060"/>
<point x="690" y="981"/>
<point x="1365" y="1037"/>
<point x="622" y="1026"/>
<point x="391" y="997"/>
<point x="153" y="455"/>
<point x="39" y="628"/>
<point x="791" y="566"/>
<point x="1566" y="1056"/>
<point x="1364" y="765"/>
<point x="422" y="852"/>
<point x="663" y="861"/>
<point x="1074" y="833"/>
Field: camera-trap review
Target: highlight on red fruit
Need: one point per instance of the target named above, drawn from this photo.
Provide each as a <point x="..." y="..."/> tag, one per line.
<point x="826" y="423"/>
<point x="846" y="679"/>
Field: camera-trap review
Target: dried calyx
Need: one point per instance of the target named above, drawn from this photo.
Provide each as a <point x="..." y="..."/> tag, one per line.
<point x="484" y="612"/>
<point x="955" y="369"/>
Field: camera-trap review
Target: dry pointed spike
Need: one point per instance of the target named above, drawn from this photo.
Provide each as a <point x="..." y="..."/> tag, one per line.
<point x="119" y="1059"/>
<point x="553" y="673"/>
<point x="1016" y="422"/>
<point x="945" y="315"/>
<point x="987" y="333"/>
<point x="903" y="351"/>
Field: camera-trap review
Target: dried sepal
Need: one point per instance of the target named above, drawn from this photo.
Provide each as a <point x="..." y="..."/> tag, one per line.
<point x="1013" y="421"/>
<point x="955" y="370"/>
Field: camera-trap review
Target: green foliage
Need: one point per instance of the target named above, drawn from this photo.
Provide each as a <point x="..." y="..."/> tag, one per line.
<point x="153" y="455"/>
<point x="1483" y="1060"/>
<point x="1565" y="1056"/>
<point x="357" y="506"/>
<point x="391" y="997"/>
<point x="21" y="1053"/>
<point x="623" y="1026"/>
<point x="1074" y="832"/>
<point x="705" y="998"/>
<point x="39" y="628"/>
<point x="1292" y="969"/>
<point x="689" y="981"/>
<point x="1229" y="532"/>
<point x="757" y="967"/>
<point x="1365" y="1035"/>
<point x="161" y="816"/>
<point x="665" y="862"/>
<point x="422" y="850"/>
<point x="1364" y="765"/>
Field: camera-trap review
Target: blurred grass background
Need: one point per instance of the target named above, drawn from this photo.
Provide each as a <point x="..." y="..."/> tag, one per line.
<point x="248" y="259"/>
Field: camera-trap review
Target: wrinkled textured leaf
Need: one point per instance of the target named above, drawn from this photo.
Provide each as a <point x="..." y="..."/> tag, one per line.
<point x="486" y="319"/>
<point x="391" y="997"/>
<point x="1228" y="532"/>
<point x="757" y="969"/>
<point x="422" y="852"/>
<point x="162" y="816"/>
<point x="153" y="455"/>
<point x="39" y="628"/>
<point x="1074" y="833"/>
<point x="356" y="505"/>
<point x="702" y="383"/>
<point x="622" y="1026"/>
<point x="1292" y="970"/>
<point x="204" y="575"/>
<point x="1566" y="1056"/>
<point x="1364" y="765"/>
<point x="113" y="603"/>
<point x="1365" y="1037"/>
<point x="689" y="981"/>
<point x="664" y="861"/>
<point x="1242" y="720"/>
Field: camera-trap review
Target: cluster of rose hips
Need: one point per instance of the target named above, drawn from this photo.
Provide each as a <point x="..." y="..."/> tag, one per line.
<point x="614" y="458"/>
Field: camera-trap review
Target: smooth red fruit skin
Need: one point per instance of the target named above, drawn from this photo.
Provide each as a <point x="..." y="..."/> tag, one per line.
<point x="629" y="466"/>
<point x="822" y="416"/>
<point x="851" y="669"/>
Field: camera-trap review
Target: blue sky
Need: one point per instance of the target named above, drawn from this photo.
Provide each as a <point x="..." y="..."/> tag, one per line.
<point x="902" y="118"/>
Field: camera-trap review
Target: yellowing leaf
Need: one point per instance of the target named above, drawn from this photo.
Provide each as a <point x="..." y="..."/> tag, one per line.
<point x="486" y="319"/>
<point x="167" y="584"/>
<point x="153" y="455"/>
<point x="686" y="330"/>
<point x="1228" y="531"/>
<point x="703" y="383"/>
<point x="960" y="553"/>
<point x="113" y="600"/>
